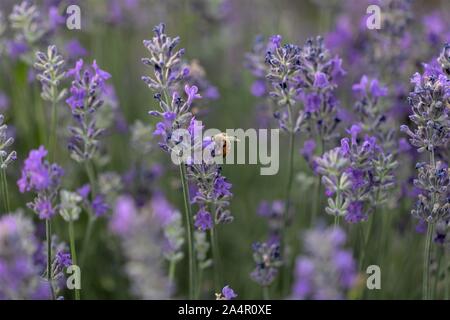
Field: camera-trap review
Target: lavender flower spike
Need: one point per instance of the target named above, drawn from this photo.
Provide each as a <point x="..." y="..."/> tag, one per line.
<point x="50" y="67"/>
<point x="431" y="133"/>
<point x="6" y="158"/>
<point x="326" y="271"/>
<point x="20" y="273"/>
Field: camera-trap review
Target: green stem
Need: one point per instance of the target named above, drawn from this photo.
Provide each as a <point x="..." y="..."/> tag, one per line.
<point x="4" y="187"/>
<point x="91" y="176"/>
<point x="53" y="134"/>
<point x="438" y="273"/>
<point x="87" y="238"/>
<point x="290" y="178"/>
<point x="172" y="267"/>
<point x="92" y="218"/>
<point x="216" y="258"/>
<point x="336" y="221"/>
<point x="446" y="278"/>
<point x="266" y="293"/>
<point x="49" y="256"/>
<point x="427" y="253"/>
<point x="73" y="253"/>
<point x="426" y="263"/>
<point x="199" y="280"/>
<point x="366" y="240"/>
<point x="189" y="228"/>
<point x="315" y="201"/>
<point x="317" y="194"/>
<point x="286" y="223"/>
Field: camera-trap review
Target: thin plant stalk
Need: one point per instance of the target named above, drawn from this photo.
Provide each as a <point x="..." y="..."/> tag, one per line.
<point x="92" y="218"/>
<point x="5" y="194"/>
<point x="49" y="256"/>
<point x="189" y="227"/>
<point x="53" y="135"/>
<point x="336" y="221"/>
<point x="317" y="192"/>
<point x="216" y="258"/>
<point x="446" y="277"/>
<point x="73" y="253"/>
<point x="87" y="237"/>
<point x="427" y="252"/>
<point x="266" y="294"/>
<point x="199" y="280"/>
<point x="426" y="263"/>
<point x="41" y="116"/>
<point x="434" y="289"/>
<point x="172" y="267"/>
<point x="366" y="239"/>
<point x="285" y="235"/>
<point x="2" y="191"/>
<point x="290" y="176"/>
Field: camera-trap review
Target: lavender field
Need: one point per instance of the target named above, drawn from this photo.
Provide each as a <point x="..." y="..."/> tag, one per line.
<point x="224" y="149"/>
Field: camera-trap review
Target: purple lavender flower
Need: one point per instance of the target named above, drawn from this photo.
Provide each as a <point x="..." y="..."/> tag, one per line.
<point x="55" y="18"/>
<point x="309" y="147"/>
<point x="99" y="205"/>
<point x="258" y="88"/>
<point x="192" y="93"/>
<point x="86" y="97"/>
<point x="436" y="28"/>
<point x="213" y="190"/>
<point x="165" y="80"/>
<point x="37" y="174"/>
<point x="84" y="191"/>
<point x="226" y="294"/>
<point x="374" y="88"/>
<point x="430" y="113"/>
<point x="194" y="74"/>
<point x="359" y="175"/>
<point x="203" y="220"/>
<point x="431" y="132"/>
<point x="274" y="213"/>
<point x="124" y="214"/>
<point x="16" y="48"/>
<point x="20" y="276"/>
<point x="28" y="25"/>
<point x="43" y="207"/>
<point x="268" y="260"/>
<point x="326" y="270"/>
<point x="141" y="243"/>
<point x="74" y="49"/>
<point x="42" y="178"/>
<point x="6" y="141"/>
<point x="50" y="66"/>
<point x="63" y="259"/>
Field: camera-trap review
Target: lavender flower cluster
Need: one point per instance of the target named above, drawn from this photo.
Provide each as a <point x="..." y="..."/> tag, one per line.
<point x="430" y="134"/>
<point x="327" y="271"/>
<point x="359" y="175"/>
<point x="303" y="80"/>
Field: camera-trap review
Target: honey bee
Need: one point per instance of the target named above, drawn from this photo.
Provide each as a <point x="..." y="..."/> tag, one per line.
<point x="223" y="141"/>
